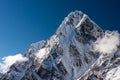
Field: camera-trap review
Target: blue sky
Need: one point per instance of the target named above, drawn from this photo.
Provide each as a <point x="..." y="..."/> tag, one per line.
<point x="23" y="22"/>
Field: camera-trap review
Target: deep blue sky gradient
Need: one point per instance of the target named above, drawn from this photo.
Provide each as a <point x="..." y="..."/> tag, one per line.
<point x="23" y="22"/>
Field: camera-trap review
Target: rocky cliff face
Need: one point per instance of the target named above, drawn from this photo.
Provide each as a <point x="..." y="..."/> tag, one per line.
<point x="79" y="50"/>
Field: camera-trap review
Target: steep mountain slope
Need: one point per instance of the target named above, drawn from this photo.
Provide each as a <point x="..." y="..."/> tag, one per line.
<point x="79" y="50"/>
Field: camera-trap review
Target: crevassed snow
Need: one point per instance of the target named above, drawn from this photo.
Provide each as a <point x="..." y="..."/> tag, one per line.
<point x="109" y="43"/>
<point x="10" y="60"/>
<point x="38" y="44"/>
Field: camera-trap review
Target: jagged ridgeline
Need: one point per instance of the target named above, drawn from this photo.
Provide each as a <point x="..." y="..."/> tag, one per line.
<point x="79" y="50"/>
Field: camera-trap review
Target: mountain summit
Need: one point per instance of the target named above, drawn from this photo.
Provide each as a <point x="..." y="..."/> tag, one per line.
<point x="79" y="50"/>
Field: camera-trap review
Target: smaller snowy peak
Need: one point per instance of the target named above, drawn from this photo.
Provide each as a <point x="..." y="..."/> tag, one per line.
<point x="34" y="47"/>
<point x="38" y="45"/>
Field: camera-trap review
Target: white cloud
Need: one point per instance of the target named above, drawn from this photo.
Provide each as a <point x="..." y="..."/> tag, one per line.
<point x="9" y="60"/>
<point x="109" y="43"/>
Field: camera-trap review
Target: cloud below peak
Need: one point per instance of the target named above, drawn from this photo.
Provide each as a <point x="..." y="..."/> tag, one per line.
<point x="10" y="60"/>
<point x="109" y="43"/>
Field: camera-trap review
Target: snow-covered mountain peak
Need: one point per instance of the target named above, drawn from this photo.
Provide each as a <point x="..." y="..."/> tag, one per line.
<point x="79" y="21"/>
<point x="77" y="51"/>
<point x="74" y="18"/>
<point x="34" y="47"/>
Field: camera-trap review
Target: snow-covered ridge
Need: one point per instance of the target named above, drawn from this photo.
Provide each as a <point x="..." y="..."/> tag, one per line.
<point x="79" y="50"/>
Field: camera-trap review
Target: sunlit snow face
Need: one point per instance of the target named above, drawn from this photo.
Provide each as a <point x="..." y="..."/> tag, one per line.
<point x="113" y="74"/>
<point x="108" y="44"/>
